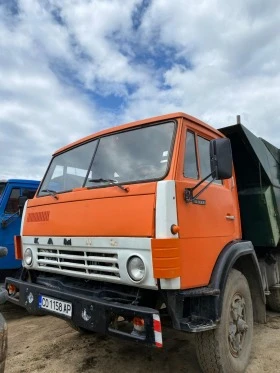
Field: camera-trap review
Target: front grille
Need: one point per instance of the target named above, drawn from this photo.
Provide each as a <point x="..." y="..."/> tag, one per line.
<point x="92" y="263"/>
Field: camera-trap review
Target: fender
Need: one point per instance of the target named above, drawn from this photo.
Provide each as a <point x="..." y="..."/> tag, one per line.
<point x="241" y="256"/>
<point x="199" y="309"/>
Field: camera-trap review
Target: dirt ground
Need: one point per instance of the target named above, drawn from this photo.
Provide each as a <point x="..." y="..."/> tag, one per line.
<point x="48" y="345"/>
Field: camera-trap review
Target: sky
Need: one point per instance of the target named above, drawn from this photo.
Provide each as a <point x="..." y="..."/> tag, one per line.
<point x="69" y="68"/>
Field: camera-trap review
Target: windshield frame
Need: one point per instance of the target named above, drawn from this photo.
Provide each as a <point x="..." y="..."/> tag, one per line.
<point x="98" y="138"/>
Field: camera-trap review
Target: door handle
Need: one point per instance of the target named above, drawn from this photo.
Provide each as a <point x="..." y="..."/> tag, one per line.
<point x="230" y="217"/>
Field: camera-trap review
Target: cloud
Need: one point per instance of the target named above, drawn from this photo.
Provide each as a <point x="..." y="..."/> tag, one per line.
<point x="69" y="68"/>
<point x="38" y="113"/>
<point x="233" y="52"/>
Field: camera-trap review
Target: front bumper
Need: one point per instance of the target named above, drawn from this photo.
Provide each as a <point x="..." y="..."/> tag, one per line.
<point x="91" y="312"/>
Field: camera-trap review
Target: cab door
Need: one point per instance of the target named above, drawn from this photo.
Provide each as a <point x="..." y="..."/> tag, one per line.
<point x="212" y="220"/>
<point x="10" y="223"/>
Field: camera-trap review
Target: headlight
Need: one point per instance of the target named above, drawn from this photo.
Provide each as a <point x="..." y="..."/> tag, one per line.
<point x="28" y="257"/>
<point x="136" y="268"/>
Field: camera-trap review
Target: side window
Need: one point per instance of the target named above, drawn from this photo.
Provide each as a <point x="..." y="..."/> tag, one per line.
<point x="203" y="149"/>
<point x="204" y="157"/>
<point x="190" y="161"/>
<point x="29" y="193"/>
<point x="12" y="205"/>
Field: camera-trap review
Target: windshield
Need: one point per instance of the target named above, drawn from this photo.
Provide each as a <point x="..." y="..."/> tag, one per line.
<point x="2" y="187"/>
<point x="124" y="157"/>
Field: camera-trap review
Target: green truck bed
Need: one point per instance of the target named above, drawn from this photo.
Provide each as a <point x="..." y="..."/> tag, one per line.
<point x="257" y="168"/>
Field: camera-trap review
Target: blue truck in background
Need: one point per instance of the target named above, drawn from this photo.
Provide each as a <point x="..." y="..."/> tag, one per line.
<point x="10" y="219"/>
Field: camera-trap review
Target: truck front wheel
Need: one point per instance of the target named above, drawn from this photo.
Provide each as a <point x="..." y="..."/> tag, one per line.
<point x="227" y="348"/>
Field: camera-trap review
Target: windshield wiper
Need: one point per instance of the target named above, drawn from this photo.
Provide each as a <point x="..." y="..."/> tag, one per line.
<point x="110" y="181"/>
<point x="51" y="192"/>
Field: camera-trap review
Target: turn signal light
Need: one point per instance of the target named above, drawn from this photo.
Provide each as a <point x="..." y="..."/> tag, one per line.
<point x="175" y="229"/>
<point x="12" y="290"/>
<point x="138" y="324"/>
<point x="18" y="246"/>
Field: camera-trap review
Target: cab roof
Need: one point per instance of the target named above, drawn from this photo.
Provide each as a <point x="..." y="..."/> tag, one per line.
<point x="22" y="181"/>
<point x="151" y="120"/>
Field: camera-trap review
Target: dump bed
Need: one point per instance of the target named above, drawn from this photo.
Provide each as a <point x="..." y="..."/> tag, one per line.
<point x="257" y="168"/>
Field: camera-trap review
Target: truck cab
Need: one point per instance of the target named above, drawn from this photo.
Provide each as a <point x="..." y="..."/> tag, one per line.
<point x="114" y="192"/>
<point x="10" y="220"/>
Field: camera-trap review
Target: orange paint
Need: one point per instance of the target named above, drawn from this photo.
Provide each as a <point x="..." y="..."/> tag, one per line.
<point x="97" y="212"/>
<point x="204" y="229"/>
<point x="166" y="258"/>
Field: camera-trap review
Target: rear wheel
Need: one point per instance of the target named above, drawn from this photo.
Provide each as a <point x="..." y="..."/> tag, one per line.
<point x="227" y="348"/>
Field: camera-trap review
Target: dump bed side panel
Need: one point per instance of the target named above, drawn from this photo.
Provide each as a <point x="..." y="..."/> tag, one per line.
<point x="257" y="167"/>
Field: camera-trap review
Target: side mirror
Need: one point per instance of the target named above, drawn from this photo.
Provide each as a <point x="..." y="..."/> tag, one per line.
<point x="221" y="158"/>
<point x="21" y="203"/>
<point x="3" y="251"/>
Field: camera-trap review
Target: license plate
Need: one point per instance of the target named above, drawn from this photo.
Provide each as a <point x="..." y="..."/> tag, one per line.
<point x="55" y="305"/>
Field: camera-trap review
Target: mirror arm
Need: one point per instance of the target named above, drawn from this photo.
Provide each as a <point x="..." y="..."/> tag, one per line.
<point x="201" y="181"/>
<point x="189" y="197"/>
<point x="202" y="190"/>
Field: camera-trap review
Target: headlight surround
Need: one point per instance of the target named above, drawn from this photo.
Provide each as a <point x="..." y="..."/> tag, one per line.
<point x="136" y="268"/>
<point x="28" y="256"/>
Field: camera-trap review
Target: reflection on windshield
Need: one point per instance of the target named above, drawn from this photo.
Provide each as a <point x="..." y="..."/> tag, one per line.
<point x="130" y="156"/>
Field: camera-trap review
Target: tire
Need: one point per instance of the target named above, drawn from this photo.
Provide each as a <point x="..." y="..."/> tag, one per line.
<point x="79" y="329"/>
<point x="273" y="300"/>
<point x="227" y="348"/>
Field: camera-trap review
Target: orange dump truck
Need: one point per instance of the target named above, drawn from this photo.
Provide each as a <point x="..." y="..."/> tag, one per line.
<point x="161" y="221"/>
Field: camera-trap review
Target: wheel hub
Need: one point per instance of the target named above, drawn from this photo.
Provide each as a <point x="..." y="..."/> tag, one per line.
<point x="237" y="324"/>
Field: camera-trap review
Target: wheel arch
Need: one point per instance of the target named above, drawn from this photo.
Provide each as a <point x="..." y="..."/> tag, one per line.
<point x="241" y="256"/>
